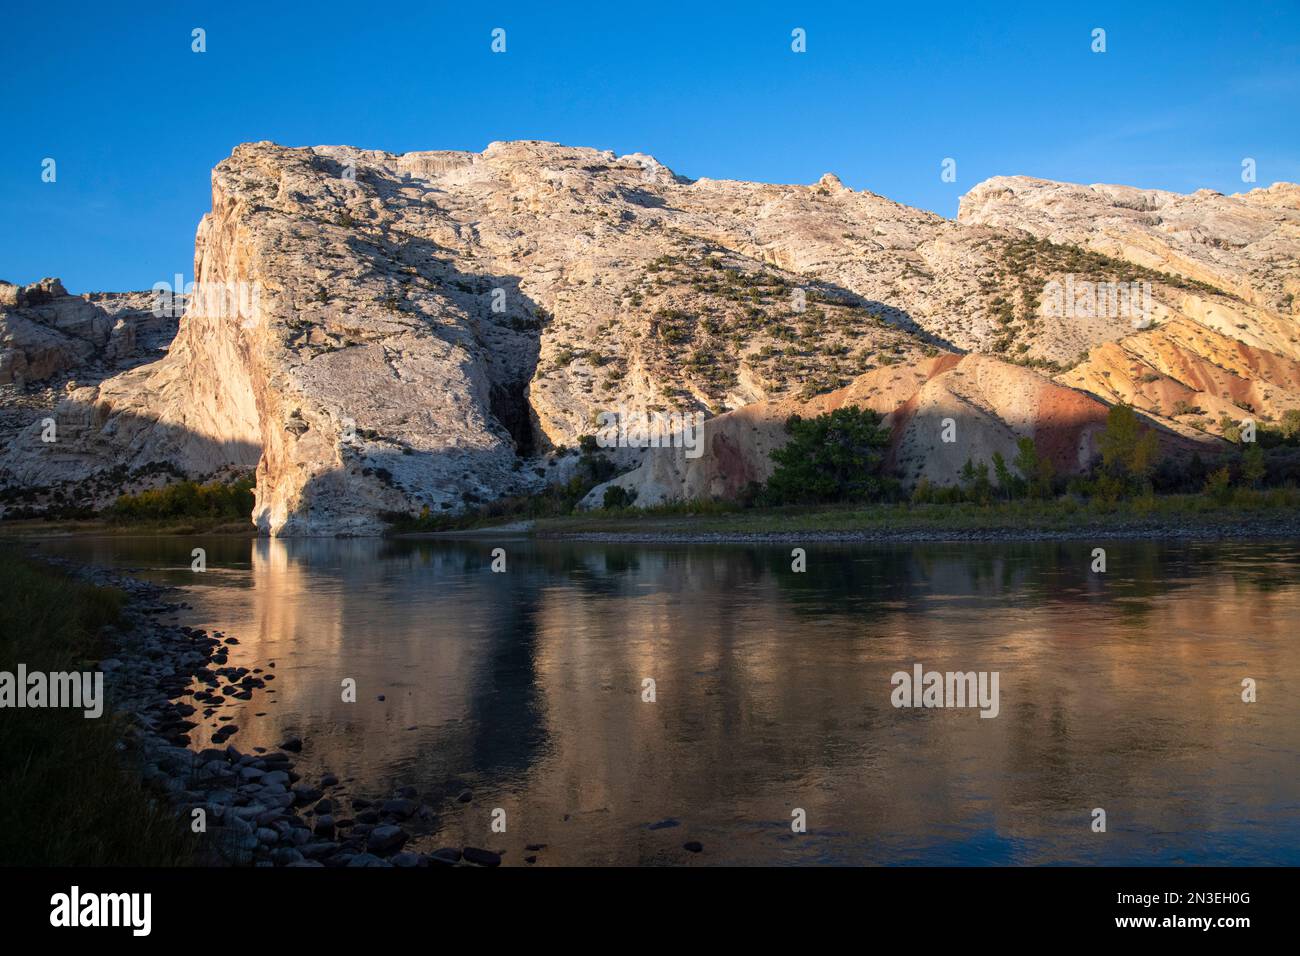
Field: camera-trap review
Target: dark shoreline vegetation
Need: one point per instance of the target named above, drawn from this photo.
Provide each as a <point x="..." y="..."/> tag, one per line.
<point x="1271" y="513"/>
<point x="180" y="507"/>
<point x="187" y="507"/>
<point x="69" y="798"/>
<point x="187" y="500"/>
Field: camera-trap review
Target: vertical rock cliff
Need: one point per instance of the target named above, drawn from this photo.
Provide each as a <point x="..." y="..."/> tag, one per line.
<point x="378" y="333"/>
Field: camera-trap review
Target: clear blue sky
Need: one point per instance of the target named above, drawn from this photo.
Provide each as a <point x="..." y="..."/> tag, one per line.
<point x="136" y="121"/>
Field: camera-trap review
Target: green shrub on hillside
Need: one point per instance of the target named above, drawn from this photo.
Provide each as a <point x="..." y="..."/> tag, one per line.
<point x="618" y="497"/>
<point x="838" y="456"/>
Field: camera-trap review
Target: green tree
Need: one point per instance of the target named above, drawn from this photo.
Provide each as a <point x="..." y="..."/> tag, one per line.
<point x="975" y="481"/>
<point x="1290" y="424"/>
<point x="618" y="497"/>
<point x="1036" y="470"/>
<point x="1218" y="485"/>
<point x="1253" y="467"/>
<point x="838" y="456"/>
<point x="1128" y="450"/>
<point x="1008" y="484"/>
<point x="923" y="493"/>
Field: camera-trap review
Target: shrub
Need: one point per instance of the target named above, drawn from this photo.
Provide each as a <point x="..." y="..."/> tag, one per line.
<point x="1253" y="467"/>
<point x="1219" y="485"/>
<point x="1128" y="450"/>
<point x="1037" y="471"/>
<point x="1290" y="424"/>
<point x="834" y="457"/>
<point x="1010" y="486"/>
<point x="187" y="499"/>
<point x="618" y="497"/>
<point x="975" y="481"/>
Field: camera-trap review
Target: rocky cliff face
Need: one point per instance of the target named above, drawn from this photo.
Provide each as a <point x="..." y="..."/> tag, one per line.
<point x="1224" y="340"/>
<point x="52" y="343"/>
<point x="380" y="333"/>
<point x="45" y="332"/>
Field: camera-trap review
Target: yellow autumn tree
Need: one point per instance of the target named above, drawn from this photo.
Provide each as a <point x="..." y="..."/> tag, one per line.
<point x="1128" y="448"/>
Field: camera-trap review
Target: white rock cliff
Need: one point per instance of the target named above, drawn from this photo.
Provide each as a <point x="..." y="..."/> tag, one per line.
<point x="379" y="333"/>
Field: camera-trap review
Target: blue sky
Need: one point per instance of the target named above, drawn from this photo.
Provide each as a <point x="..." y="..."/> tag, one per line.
<point x="885" y="92"/>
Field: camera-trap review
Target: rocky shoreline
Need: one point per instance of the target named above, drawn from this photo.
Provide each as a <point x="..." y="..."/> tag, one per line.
<point x="256" y="809"/>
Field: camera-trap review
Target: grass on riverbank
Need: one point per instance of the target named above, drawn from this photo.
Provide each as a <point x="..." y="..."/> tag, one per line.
<point x="66" y="796"/>
<point x="97" y="527"/>
<point x="1060" y="515"/>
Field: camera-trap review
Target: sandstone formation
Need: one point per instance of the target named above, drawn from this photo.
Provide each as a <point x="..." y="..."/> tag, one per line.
<point x="1226" y="341"/>
<point x="45" y="332"/>
<point x="990" y="403"/>
<point x="382" y="333"/>
<point x="51" y="342"/>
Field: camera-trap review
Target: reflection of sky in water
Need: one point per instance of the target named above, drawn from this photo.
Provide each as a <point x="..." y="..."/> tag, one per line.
<point x="1119" y="690"/>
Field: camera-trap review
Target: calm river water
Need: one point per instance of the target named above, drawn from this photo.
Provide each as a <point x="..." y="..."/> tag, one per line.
<point x="772" y="693"/>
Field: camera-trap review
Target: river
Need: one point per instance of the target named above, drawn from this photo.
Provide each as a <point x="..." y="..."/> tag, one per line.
<point x="617" y="702"/>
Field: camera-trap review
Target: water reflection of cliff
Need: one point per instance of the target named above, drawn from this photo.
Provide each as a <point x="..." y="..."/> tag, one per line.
<point x="420" y="628"/>
<point x="1119" y="690"/>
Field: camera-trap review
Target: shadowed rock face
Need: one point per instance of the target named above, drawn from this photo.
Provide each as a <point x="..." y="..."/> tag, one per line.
<point x="52" y="342"/>
<point x="382" y="333"/>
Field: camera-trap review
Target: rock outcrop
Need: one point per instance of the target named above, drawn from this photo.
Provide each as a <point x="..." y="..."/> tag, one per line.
<point x="989" y="403"/>
<point x="52" y="343"/>
<point x="1222" y="337"/>
<point x="46" y="333"/>
<point x="384" y="333"/>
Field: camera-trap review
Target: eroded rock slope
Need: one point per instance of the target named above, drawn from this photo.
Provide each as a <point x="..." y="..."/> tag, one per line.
<point x="381" y="333"/>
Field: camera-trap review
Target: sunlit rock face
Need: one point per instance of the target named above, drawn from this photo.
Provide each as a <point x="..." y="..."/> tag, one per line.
<point x="1226" y="341"/>
<point x="46" y="333"/>
<point x="378" y="333"/>
<point x="52" y="342"/>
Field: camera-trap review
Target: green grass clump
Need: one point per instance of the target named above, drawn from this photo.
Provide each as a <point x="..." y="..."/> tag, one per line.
<point x="67" y="796"/>
<point x="1066" y="514"/>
